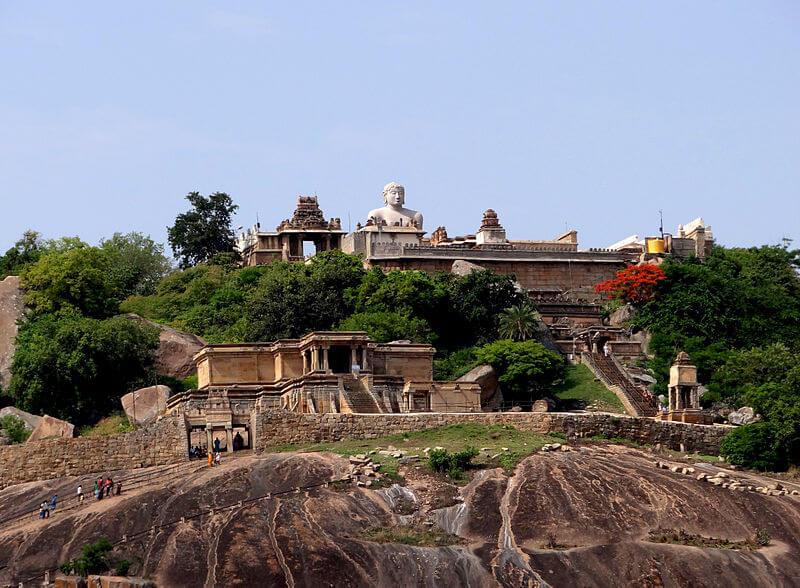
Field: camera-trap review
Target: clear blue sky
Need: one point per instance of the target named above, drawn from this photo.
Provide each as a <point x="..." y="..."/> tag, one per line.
<point x="591" y="115"/>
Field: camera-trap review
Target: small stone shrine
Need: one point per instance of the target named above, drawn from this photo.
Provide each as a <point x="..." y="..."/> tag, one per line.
<point x="684" y="400"/>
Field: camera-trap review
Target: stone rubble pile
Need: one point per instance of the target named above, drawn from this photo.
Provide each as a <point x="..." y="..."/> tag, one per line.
<point x="556" y="447"/>
<point x="724" y="480"/>
<point x="363" y="470"/>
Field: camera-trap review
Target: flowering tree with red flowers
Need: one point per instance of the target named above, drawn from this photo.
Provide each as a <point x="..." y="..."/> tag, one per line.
<point x="634" y="284"/>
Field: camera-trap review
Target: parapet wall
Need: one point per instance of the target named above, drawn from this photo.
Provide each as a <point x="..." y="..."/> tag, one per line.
<point x="165" y="442"/>
<point x="161" y="443"/>
<point x="278" y="427"/>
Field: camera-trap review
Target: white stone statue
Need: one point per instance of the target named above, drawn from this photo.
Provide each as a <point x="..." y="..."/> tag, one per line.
<point x="393" y="214"/>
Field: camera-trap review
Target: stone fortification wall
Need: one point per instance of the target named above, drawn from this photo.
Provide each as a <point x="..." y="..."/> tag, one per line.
<point x="161" y="443"/>
<point x="280" y="427"/>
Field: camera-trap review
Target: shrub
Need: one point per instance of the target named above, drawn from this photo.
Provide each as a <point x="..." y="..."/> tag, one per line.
<point x="123" y="567"/>
<point x="15" y="429"/>
<point x="93" y="559"/>
<point x="455" y="365"/>
<point x="755" y="446"/>
<point x="762" y="537"/>
<point x="452" y="464"/>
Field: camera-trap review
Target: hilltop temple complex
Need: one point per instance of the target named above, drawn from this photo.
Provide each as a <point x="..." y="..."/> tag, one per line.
<point x="393" y="237"/>
<point x="347" y="372"/>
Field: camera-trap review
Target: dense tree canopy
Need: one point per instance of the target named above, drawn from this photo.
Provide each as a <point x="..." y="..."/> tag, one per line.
<point x="203" y="231"/>
<point x="136" y="263"/>
<point x="24" y="252"/>
<point x="223" y="303"/>
<point x="70" y="280"/>
<point x="525" y="368"/>
<point x="737" y="314"/>
<point x="77" y="368"/>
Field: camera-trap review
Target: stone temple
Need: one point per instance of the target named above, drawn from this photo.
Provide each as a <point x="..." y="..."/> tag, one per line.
<point x="341" y="372"/>
<point x="324" y="372"/>
<point x="393" y="237"/>
<point x="557" y="274"/>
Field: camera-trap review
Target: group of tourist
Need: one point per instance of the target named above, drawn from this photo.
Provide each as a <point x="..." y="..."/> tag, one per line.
<point x="45" y="507"/>
<point x="103" y="487"/>
<point x="197" y="452"/>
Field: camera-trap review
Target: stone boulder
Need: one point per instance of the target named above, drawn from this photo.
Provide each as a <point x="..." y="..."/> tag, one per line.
<point x="485" y="376"/>
<point x="30" y="420"/>
<point x="622" y="316"/>
<point x="175" y="350"/>
<point x="541" y="405"/>
<point x="743" y="416"/>
<point x="462" y="267"/>
<point x="51" y="427"/>
<point x="145" y="404"/>
<point x="11" y="310"/>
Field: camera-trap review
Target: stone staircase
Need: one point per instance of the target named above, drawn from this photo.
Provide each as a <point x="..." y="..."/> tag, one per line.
<point x="635" y="399"/>
<point x="357" y="397"/>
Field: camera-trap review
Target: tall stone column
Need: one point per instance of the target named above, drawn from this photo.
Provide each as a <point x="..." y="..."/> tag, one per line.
<point x="325" y="365"/>
<point x="305" y="361"/>
<point x="229" y="439"/>
<point x="364" y="358"/>
<point x="353" y="356"/>
<point x="209" y="439"/>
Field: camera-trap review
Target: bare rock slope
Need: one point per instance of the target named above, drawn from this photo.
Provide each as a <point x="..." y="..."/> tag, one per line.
<point x="578" y="518"/>
<point x="11" y="310"/>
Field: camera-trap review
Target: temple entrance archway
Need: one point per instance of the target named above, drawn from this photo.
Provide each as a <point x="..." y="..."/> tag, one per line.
<point x="339" y="359"/>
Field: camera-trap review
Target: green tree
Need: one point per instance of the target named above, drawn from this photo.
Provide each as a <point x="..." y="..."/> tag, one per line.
<point x="477" y="300"/>
<point x="519" y="322"/>
<point x="756" y="445"/>
<point x="388" y="326"/>
<point x="25" y="252"/>
<point x="292" y="299"/>
<point x="77" y="368"/>
<point x="203" y="231"/>
<point x="93" y="559"/>
<point x="525" y="368"/>
<point x="734" y="299"/>
<point x="73" y="280"/>
<point x="137" y="263"/>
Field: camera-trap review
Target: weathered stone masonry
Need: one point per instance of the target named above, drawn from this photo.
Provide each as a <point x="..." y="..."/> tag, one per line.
<point x="165" y="442"/>
<point x="162" y="443"/>
<point x="280" y="427"/>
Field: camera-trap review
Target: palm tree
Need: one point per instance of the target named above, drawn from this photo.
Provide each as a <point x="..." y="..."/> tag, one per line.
<point x="519" y="322"/>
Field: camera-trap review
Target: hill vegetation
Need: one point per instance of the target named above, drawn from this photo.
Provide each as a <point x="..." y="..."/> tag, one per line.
<point x="737" y="315"/>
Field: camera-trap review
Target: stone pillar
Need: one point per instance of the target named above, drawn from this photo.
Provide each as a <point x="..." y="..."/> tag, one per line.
<point x="325" y="365"/>
<point x="305" y="361"/>
<point x="209" y="439"/>
<point x="364" y="358"/>
<point x="313" y="352"/>
<point x="353" y="356"/>
<point x="229" y="439"/>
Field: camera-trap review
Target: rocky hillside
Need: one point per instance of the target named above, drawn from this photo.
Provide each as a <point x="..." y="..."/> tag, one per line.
<point x="11" y="310"/>
<point x="578" y="518"/>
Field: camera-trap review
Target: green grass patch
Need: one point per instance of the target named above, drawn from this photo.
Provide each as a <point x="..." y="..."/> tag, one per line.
<point x="758" y="539"/>
<point x="488" y="439"/>
<point x="409" y="535"/>
<point x="111" y="425"/>
<point x="579" y="390"/>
